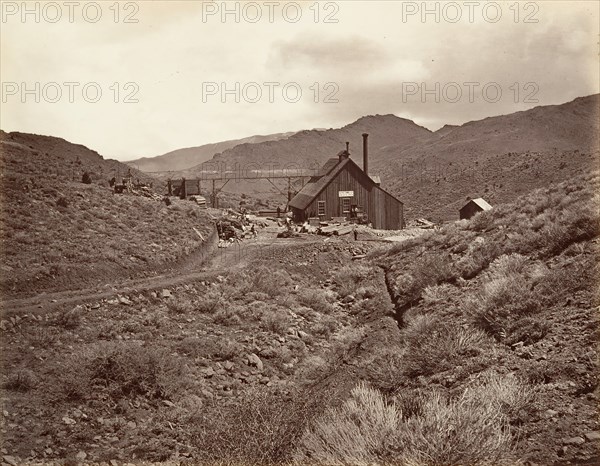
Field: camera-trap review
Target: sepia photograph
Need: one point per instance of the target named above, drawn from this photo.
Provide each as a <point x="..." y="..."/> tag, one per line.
<point x="312" y="232"/>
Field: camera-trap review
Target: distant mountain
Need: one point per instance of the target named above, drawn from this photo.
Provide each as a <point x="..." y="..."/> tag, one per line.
<point x="497" y="158"/>
<point x="182" y="159"/>
<point x="310" y="147"/>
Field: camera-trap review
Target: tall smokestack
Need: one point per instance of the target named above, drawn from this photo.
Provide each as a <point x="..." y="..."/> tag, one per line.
<point x="365" y="153"/>
<point x="347" y="146"/>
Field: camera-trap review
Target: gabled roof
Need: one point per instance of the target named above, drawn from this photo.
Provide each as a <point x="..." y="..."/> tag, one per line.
<point x="326" y="175"/>
<point x="480" y="202"/>
<point x="316" y="185"/>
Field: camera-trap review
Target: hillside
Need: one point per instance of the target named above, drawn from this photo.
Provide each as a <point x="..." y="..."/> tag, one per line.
<point x="182" y="159"/>
<point x="59" y="233"/>
<point x="434" y="173"/>
<point x="472" y="344"/>
<point x="306" y="148"/>
<point x="497" y="158"/>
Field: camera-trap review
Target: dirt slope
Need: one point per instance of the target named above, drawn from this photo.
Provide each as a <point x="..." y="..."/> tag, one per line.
<point x="59" y="233"/>
<point x="497" y="158"/>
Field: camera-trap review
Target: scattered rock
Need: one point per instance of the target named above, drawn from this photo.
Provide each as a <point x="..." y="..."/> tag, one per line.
<point x="165" y="293"/>
<point x="10" y="460"/>
<point x="573" y="441"/>
<point x="592" y="436"/>
<point x="551" y="413"/>
<point x="349" y="299"/>
<point x="131" y="425"/>
<point x="125" y="301"/>
<point x="208" y="372"/>
<point x="254" y="360"/>
<point x="67" y="420"/>
<point x="303" y="335"/>
<point x="169" y="403"/>
<point x="81" y="456"/>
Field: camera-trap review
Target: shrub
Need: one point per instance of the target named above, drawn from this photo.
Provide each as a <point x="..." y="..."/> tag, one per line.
<point x="472" y="429"/>
<point x="428" y="270"/>
<point x="68" y="319"/>
<point x="262" y="429"/>
<point x="276" y="321"/>
<point x="317" y="300"/>
<point x="437" y="294"/>
<point x="349" y="277"/>
<point x="180" y="305"/>
<point x="434" y="346"/>
<point x="123" y="370"/>
<point x="355" y="433"/>
<point x="21" y="380"/>
<point x="500" y="302"/>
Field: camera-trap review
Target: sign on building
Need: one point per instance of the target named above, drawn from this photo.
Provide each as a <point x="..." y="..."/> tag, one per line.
<point x="345" y="193"/>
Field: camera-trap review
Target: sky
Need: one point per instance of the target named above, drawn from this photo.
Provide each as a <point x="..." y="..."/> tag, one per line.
<point x="141" y="78"/>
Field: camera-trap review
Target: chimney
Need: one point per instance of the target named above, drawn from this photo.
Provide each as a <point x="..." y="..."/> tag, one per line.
<point x="365" y="154"/>
<point x="347" y="146"/>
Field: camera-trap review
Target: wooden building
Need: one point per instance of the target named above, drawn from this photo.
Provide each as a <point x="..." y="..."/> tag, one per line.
<point x="474" y="206"/>
<point x="343" y="189"/>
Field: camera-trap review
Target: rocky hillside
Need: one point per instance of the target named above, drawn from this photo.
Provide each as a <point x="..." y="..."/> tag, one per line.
<point x="182" y="159"/>
<point x="60" y="233"/>
<point x="496" y="158"/>
<point x="307" y="148"/>
<point x="473" y="344"/>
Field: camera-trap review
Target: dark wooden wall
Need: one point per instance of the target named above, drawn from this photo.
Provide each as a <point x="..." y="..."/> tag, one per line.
<point x="469" y="210"/>
<point x="382" y="209"/>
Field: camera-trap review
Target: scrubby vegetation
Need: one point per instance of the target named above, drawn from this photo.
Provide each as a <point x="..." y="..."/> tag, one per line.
<point x="58" y="232"/>
<point x="471" y="344"/>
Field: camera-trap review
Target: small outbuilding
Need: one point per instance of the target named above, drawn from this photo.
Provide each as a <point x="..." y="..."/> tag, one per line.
<point x="474" y="206"/>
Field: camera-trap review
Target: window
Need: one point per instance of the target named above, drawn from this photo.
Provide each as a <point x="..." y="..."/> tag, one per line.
<point x="346" y="205"/>
<point x="321" y="208"/>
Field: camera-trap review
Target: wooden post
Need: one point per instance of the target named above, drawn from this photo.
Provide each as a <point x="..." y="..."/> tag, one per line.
<point x="214" y="195"/>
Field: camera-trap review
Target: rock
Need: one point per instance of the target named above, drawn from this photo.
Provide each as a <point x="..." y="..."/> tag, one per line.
<point x="208" y="372"/>
<point x="165" y="293"/>
<point x="573" y="441"/>
<point x="125" y="301"/>
<point x="592" y="436"/>
<point x="228" y="365"/>
<point x="551" y="413"/>
<point x="169" y="403"/>
<point x="67" y="420"/>
<point x="349" y="299"/>
<point x="10" y="460"/>
<point x="4" y="325"/>
<point x="303" y="335"/>
<point x="254" y="360"/>
<point x="81" y="456"/>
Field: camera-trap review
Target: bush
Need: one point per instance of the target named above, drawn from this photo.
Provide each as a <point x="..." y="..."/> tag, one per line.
<point x="349" y="277"/>
<point x="501" y="302"/>
<point x="123" y="370"/>
<point x="262" y="429"/>
<point x="355" y="433"/>
<point x="277" y="321"/>
<point x="434" y="346"/>
<point x="473" y="428"/>
<point x="317" y="300"/>
<point x="428" y="270"/>
<point x="21" y="380"/>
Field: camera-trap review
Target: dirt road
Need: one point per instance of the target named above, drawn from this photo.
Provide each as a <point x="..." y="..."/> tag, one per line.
<point x="207" y="263"/>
